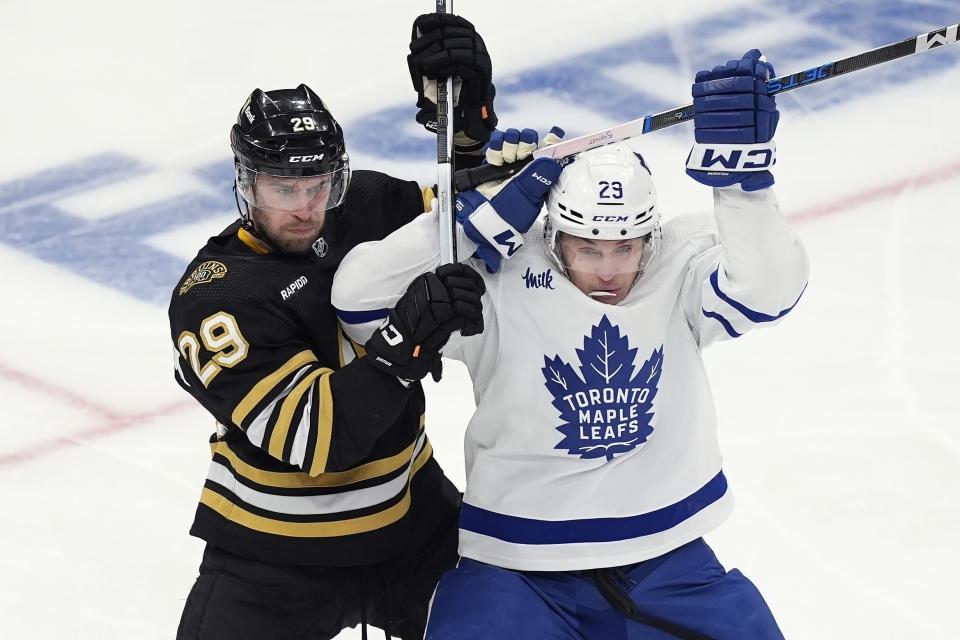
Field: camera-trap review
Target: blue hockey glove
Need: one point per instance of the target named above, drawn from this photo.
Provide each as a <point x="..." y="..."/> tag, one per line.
<point x="734" y="122"/>
<point x="497" y="224"/>
<point x="513" y="145"/>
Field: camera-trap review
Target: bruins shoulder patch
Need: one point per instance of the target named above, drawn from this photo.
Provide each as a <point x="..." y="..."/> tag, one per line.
<point x="206" y="272"/>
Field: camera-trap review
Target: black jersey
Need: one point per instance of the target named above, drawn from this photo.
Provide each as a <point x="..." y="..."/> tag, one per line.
<point x="319" y="457"/>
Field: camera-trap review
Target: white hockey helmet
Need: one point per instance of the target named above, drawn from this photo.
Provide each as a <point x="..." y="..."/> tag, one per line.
<point x="606" y="193"/>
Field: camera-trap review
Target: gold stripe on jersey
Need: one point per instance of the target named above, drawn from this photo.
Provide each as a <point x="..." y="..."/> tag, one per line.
<point x="358" y="349"/>
<point x="428" y="197"/>
<point x="236" y="513"/>
<point x="281" y="428"/>
<point x="324" y="429"/>
<point x="252" y="241"/>
<point x="267" y="384"/>
<point x="298" y="479"/>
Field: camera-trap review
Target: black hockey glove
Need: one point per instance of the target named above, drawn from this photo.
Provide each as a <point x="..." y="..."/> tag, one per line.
<point x="465" y="288"/>
<point x="408" y="343"/>
<point x="448" y="46"/>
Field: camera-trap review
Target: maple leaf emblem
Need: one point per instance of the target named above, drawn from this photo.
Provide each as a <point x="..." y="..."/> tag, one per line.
<point x="606" y="409"/>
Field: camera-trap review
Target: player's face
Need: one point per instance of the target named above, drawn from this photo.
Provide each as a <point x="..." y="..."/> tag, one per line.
<point x="605" y="270"/>
<point x="291" y="211"/>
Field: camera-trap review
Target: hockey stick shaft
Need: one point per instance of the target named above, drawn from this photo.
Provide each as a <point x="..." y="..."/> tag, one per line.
<point x="445" y="168"/>
<point x="917" y="44"/>
<point x="470" y="178"/>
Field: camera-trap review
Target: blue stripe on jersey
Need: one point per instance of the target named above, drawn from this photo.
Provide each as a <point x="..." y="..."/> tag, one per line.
<point x="726" y="323"/>
<point x="529" y="531"/>
<point x="359" y="317"/>
<point x="750" y="314"/>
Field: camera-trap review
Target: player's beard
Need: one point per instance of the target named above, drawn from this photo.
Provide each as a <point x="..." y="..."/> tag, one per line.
<point x="289" y="242"/>
<point x="297" y="245"/>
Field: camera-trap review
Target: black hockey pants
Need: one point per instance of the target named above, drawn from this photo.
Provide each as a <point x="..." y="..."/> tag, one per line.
<point x="241" y="599"/>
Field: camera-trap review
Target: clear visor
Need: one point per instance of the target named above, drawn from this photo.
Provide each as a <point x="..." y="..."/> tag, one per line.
<point x="603" y="258"/>
<point x="286" y="195"/>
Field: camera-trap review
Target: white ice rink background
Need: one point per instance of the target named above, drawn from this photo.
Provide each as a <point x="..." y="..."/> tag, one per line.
<point x="840" y="427"/>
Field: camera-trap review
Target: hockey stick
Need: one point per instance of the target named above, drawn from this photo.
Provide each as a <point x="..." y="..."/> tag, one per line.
<point x="445" y="168"/>
<point x="470" y="178"/>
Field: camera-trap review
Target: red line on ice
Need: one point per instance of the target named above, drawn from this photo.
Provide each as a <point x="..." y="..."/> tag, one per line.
<point x="64" y="396"/>
<point x="920" y="181"/>
<point x="115" y="421"/>
<point x="112" y="421"/>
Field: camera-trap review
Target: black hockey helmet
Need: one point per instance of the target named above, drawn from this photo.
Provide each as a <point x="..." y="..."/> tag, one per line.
<point x="288" y="133"/>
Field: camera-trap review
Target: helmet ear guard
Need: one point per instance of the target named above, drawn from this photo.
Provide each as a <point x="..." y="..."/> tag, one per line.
<point x="605" y="193"/>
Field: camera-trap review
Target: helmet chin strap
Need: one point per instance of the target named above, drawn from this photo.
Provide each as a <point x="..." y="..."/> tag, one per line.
<point x="245" y="210"/>
<point x="246" y="216"/>
<point x="247" y="221"/>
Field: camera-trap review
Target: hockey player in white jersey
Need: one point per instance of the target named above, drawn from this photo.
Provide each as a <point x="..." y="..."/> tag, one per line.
<point x="593" y="467"/>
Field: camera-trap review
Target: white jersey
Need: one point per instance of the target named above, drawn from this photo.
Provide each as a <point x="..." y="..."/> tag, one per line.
<point x="594" y="441"/>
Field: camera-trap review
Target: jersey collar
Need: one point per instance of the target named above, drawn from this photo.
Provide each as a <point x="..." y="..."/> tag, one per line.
<point x="253" y="242"/>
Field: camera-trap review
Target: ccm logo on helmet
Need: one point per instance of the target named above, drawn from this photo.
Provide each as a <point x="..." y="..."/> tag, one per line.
<point x="311" y="158"/>
<point x="609" y="218"/>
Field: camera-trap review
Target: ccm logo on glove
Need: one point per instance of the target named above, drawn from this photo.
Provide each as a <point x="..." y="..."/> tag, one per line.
<point x="732" y="157"/>
<point x="546" y="181"/>
<point x="390" y="333"/>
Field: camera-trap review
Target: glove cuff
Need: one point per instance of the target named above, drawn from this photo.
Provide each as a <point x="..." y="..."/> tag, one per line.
<point x="485" y="226"/>
<point x="739" y="158"/>
<point x="462" y="143"/>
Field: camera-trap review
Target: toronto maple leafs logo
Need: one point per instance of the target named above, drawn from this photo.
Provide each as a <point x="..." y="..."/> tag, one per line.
<point x="606" y="409"/>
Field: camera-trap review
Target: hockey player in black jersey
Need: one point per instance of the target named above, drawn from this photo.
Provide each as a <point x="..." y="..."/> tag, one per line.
<point x="323" y="506"/>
